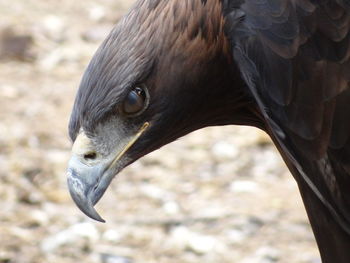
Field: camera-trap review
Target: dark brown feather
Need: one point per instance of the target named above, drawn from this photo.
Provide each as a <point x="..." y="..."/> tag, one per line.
<point x="294" y="56"/>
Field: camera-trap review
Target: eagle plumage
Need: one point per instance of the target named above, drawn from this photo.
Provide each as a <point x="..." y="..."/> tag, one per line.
<point x="294" y="57"/>
<point x="279" y="65"/>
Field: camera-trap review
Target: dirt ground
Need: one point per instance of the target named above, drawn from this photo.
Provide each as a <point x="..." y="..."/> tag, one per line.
<point x="220" y="194"/>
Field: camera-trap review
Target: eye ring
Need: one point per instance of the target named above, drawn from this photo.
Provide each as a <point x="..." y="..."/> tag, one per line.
<point x="136" y="101"/>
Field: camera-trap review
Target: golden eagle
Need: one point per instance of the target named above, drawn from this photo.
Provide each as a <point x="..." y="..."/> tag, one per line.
<point x="170" y="67"/>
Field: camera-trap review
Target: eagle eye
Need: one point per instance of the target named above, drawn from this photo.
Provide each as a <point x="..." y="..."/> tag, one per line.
<point x="136" y="101"/>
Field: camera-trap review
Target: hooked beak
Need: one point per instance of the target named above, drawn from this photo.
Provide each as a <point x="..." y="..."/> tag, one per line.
<point x="88" y="179"/>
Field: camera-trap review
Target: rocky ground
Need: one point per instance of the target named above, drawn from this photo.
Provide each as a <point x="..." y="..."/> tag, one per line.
<point x="217" y="195"/>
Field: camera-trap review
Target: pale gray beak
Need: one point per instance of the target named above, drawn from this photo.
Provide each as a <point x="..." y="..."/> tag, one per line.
<point x="86" y="185"/>
<point x="88" y="178"/>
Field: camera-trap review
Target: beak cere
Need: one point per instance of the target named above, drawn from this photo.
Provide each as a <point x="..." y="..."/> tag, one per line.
<point x="89" y="175"/>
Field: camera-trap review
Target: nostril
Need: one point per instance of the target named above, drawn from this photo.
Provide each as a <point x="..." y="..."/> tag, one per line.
<point x="90" y="156"/>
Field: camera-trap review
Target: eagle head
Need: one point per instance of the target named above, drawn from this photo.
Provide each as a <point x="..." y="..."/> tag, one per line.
<point x="163" y="71"/>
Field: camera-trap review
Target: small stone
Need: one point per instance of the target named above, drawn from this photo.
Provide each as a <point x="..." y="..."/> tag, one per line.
<point x="201" y="244"/>
<point x="9" y="92"/>
<point x="236" y="236"/>
<point x="39" y="217"/>
<point x="268" y="254"/>
<point x="5" y="256"/>
<point x="244" y="186"/>
<point x="97" y="33"/>
<point x="58" y="195"/>
<point x="108" y="258"/>
<point x="97" y="13"/>
<point x="54" y="27"/>
<point x="51" y="60"/>
<point x="34" y="141"/>
<point x="155" y="192"/>
<point x="224" y="150"/>
<point x="15" y="46"/>
<point x="81" y="231"/>
<point x="112" y="235"/>
<point x="171" y="208"/>
<point x="21" y="233"/>
<point x="266" y="163"/>
<point x="179" y="237"/>
<point x="57" y="156"/>
<point x="27" y="196"/>
<point x="183" y="238"/>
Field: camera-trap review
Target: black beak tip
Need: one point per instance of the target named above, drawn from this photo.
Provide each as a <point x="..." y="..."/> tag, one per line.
<point x="98" y="218"/>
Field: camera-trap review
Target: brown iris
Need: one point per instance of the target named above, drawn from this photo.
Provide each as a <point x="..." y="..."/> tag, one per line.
<point x="135" y="101"/>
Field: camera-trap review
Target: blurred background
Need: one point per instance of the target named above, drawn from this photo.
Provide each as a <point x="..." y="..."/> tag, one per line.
<point x="218" y="195"/>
